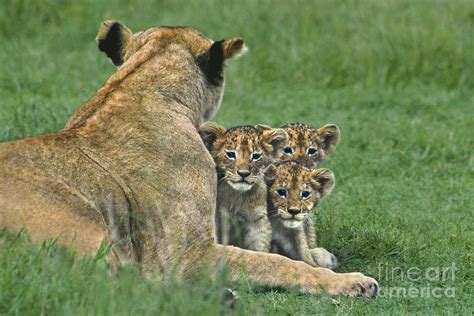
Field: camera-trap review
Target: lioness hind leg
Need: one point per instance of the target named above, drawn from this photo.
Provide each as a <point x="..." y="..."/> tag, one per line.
<point x="324" y="258"/>
<point x="45" y="220"/>
<point x="275" y="270"/>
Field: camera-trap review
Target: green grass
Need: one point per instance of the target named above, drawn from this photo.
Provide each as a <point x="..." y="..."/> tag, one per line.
<point x="396" y="76"/>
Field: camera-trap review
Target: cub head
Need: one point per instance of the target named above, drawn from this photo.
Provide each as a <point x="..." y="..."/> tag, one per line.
<point x="307" y="145"/>
<point x="242" y="154"/>
<point x="179" y="63"/>
<point x="293" y="190"/>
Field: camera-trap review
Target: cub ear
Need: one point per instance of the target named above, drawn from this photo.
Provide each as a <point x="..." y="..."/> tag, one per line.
<point x="273" y="139"/>
<point x="270" y="174"/>
<point x="212" y="62"/>
<point x="210" y="132"/>
<point x="327" y="137"/>
<point x="323" y="181"/>
<point x="112" y="39"/>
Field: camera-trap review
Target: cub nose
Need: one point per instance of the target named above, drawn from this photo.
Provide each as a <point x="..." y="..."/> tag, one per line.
<point x="294" y="211"/>
<point x="243" y="173"/>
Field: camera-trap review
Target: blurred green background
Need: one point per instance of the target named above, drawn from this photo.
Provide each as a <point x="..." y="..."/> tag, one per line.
<point x="396" y="76"/>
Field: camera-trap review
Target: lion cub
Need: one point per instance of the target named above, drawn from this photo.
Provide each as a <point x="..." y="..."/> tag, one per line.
<point x="293" y="190"/>
<point x="242" y="155"/>
<point x="307" y="145"/>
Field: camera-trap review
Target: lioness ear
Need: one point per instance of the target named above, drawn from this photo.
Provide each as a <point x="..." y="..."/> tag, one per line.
<point x="273" y="139"/>
<point x="323" y="181"/>
<point x="212" y="62"/>
<point x="270" y="174"/>
<point x="209" y="132"/>
<point x="233" y="47"/>
<point x="112" y="39"/>
<point x="327" y="137"/>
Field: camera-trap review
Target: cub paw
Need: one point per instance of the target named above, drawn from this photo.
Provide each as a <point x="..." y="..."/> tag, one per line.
<point x="324" y="258"/>
<point x="230" y="298"/>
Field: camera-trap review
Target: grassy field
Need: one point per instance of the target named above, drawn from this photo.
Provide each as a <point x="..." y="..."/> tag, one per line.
<point x="396" y="76"/>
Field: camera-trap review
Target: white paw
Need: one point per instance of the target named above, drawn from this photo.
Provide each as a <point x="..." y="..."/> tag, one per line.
<point x="324" y="258"/>
<point x="230" y="297"/>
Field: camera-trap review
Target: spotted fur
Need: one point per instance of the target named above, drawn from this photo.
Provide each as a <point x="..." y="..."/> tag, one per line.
<point x="242" y="154"/>
<point x="293" y="191"/>
<point x="307" y="145"/>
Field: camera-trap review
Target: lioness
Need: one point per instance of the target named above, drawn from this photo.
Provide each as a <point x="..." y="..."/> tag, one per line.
<point x="130" y="168"/>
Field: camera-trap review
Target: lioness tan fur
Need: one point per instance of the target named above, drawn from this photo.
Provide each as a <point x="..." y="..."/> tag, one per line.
<point x="131" y="169"/>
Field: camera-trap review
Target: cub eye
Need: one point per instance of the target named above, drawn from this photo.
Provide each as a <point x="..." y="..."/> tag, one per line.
<point x="231" y="154"/>
<point x="281" y="192"/>
<point x="305" y="194"/>
<point x="288" y="150"/>
<point x="256" y="156"/>
<point x="311" y="151"/>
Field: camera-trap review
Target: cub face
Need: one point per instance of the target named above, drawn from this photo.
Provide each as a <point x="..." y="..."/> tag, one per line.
<point x="307" y="145"/>
<point x="242" y="154"/>
<point x="293" y="190"/>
